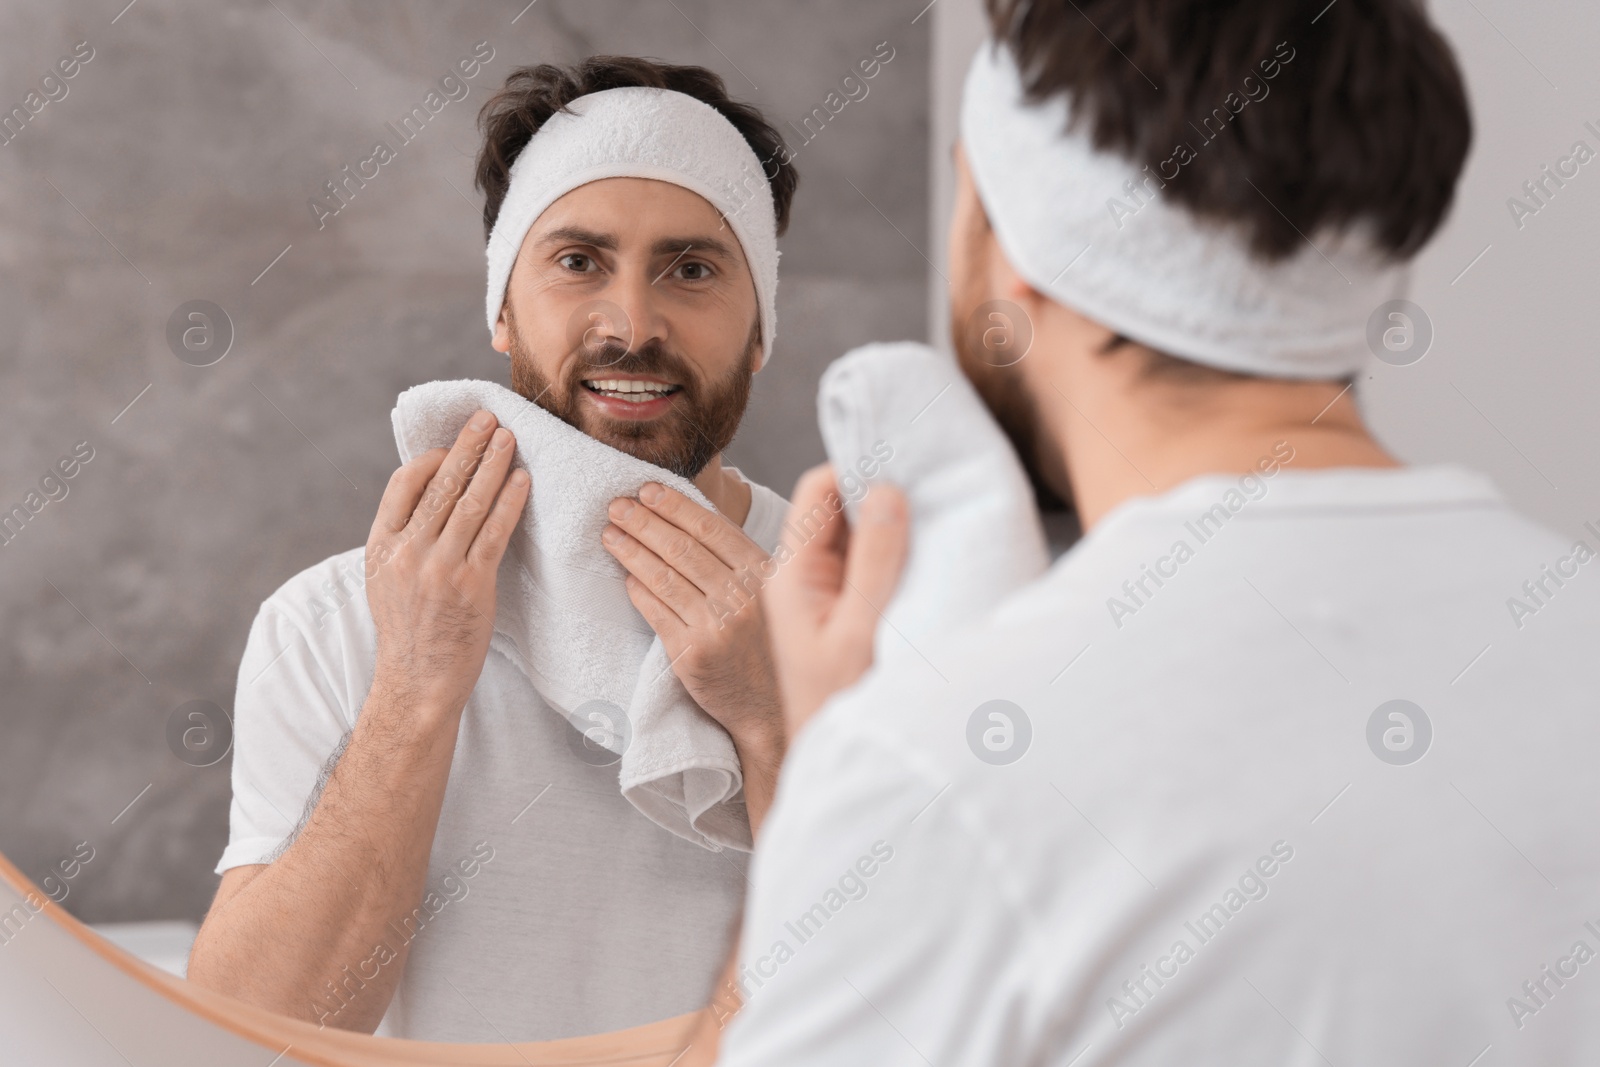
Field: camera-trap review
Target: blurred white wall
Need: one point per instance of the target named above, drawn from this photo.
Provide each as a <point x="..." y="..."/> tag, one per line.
<point x="958" y="27"/>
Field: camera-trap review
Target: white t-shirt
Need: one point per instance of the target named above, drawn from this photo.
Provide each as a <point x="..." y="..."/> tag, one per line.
<point x="1211" y="850"/>
<point x="554" y="907"/>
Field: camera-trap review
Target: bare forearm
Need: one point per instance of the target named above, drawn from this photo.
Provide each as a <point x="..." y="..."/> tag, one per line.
<point x="760" y="757"/>
<point x="303" y="937"/>
<point x="318" y="934"/>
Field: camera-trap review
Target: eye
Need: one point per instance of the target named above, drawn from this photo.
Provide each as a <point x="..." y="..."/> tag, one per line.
<point x="693" y="271"/>
<point x="578" y="262"/>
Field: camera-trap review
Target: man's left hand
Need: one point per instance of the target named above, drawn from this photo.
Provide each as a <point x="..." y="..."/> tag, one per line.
<point x="694" y="576"/>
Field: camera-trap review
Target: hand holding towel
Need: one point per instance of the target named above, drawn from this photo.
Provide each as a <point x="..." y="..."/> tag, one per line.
<point x="975" y="530"/>
<point x="563" y="616"/>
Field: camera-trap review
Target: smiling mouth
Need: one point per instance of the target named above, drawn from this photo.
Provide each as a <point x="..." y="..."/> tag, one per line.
<point x="630" y="390"/>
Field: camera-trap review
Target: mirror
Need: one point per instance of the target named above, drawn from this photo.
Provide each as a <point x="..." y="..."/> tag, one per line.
<point x="75" y="997"/>
<point x="230" y="286"/>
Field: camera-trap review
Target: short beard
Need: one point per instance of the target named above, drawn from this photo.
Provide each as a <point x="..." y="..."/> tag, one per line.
<point x="1013" y="407"/>
<point x="702" y="422"/>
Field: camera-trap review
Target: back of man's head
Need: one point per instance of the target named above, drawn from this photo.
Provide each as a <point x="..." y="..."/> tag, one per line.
<point x="1197" y="206"/>
<point x="1368" y="121"/>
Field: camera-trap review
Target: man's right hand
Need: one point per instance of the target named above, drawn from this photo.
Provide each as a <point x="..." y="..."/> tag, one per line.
<point x="432" y="556"/>
<point x="435" y="547"/>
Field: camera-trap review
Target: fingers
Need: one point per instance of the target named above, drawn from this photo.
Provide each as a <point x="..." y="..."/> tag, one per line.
<point x="453" y="476"/>
<point x="680" y="549"/>
<point x="474" y="505"/>
<point x="877" y="553"/>
<point x="489" y="546"/>
<point x="662" y="619"/>
<point x="842" y="579"/>
<point x="721" y="537"/>
<point x="684" y="599"/>
<point x="405" y="488"/>
<point x="815" y="535"/>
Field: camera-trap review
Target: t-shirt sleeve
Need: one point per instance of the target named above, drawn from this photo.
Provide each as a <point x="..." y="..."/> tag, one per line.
<point x="880" y="928"/>
<point x="288" y="718"/>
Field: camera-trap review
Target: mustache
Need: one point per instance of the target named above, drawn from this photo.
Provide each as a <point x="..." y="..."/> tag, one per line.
<point x="651" y="358"/>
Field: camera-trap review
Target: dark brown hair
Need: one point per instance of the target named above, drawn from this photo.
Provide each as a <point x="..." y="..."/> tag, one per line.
<point x="1366" y="123"/>
<point x="532" y="94"/>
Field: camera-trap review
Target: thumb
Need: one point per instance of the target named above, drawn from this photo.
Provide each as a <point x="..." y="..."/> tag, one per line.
<point x="876" y="556"/>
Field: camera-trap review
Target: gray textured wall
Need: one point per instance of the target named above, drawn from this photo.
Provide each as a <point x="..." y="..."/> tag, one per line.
<point x="176" y="167"/>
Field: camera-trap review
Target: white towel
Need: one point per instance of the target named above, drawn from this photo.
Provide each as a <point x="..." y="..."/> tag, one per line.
<point x="975" y="530"/>
<point x="564" y="618"/>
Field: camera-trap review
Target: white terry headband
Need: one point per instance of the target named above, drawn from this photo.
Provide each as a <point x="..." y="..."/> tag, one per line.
<point x="642" y="133"/>
<point x="1148" y="269"/>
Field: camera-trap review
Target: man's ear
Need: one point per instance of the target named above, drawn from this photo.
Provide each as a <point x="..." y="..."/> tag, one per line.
<point x="1006" y="284"/>
<point x="501" y="341"/>
<point x="754" y="347"/>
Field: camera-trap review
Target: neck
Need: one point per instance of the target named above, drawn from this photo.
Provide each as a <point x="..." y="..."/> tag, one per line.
<point x="726" y="491"/>
<point x="1144" y="439"/>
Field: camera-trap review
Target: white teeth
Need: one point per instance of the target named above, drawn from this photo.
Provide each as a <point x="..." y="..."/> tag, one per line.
<point x="629" y="388"/>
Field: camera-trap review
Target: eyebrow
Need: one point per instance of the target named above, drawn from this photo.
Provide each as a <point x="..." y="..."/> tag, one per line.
<point x="577" y="235"/>
<point x="703" y="243"/>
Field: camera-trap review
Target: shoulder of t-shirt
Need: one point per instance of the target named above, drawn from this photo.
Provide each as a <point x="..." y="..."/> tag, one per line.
<point x="324" y="589"/>
<point x="853" y="766"/>
<point x="313" y="633"/>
